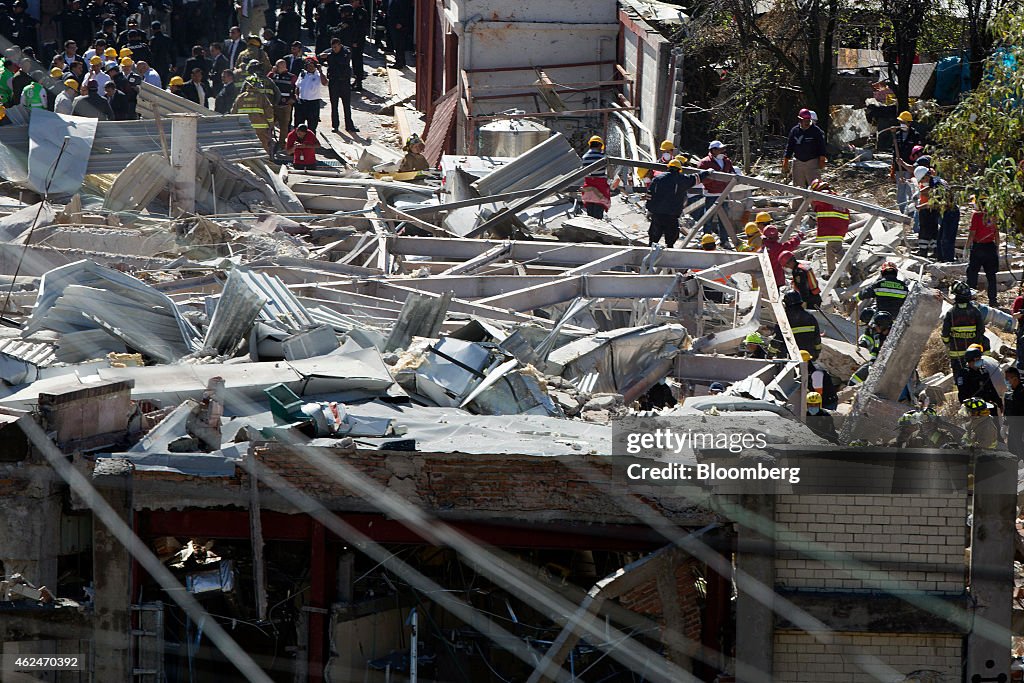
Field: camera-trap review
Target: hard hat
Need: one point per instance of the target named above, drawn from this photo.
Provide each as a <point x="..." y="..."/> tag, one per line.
<point x="716" y="144"/>
<point x="805" y="356"/>
<point x="110" y="52"/>
<point x="909" y="418"/>
<point x="675" y="164"/>
<point x="792" y="299"/>
<point x="3" y="112"/>
<point x="905" y="117"/>
<point x="707" y="239"/>
<point x="917" y="149"/>
<point x="753" y="338"/>
<point x="770" y="233"/>
<point x="71" y="83"/>
<point x="866" y="315"/>
<point x="961" y="292"/>
<point x="763" y="217"/>
<point x="716" y="386"/>
<point x="683" y="159"/>
<point x="177" y="80"/>
<point x="813" y="398"/>
<point x="125" y="52"/>
<point x="597" y="139"/>
<point x="785" y="256"/>
<point x="667" y="146"/>
<point x="923" y="160"/>
<point x="55" y="72"/>
<point x="804" y="114"/>
<point x="973" y="352"/>
<point x="975" y="404"/>
<point x="127" y="61"/>
<point x="751" y="229"/>
<point x="920" y="172"/>
<point x="252" y="64"/>
<point x="95" y="59"/>
<point x="254" y="39"/>
<point x="882" y="319"/>
<point x="888" y="265"/>
<point x="819" y="185"/>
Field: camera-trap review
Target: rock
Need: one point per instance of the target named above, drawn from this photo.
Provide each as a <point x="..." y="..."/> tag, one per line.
<point x="603" y="402"/>
<point x="840" y="359"/>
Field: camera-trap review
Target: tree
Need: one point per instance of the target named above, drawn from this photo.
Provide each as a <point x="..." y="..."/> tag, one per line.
<point x="979" y="38"/>
<point x="906" y="17"/>
<point x="981" y="143"/>
<point x="800" y="36"/>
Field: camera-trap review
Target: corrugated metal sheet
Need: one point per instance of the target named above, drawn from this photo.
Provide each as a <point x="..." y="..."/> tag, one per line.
<point x="548" y="160"/>
<point x="438" y="137"/>
<point x="118" y="142"/>
<point x="237" y="308"/>
<point x="153" y="99"/>
<point x="40" y="354"/>
<point x="282" y="309"/>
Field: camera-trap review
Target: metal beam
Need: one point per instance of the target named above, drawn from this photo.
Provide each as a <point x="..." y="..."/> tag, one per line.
<point x="795" y="220"/>
<point x="478" y="262"/>
<point x="847" y="258"/>
<point x="476" y="201"/>
<point x="710" y="213"/>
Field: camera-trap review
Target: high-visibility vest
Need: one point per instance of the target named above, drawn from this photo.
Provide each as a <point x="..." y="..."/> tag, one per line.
<point x="833" y="222"/>
<point x="33" y="96"/>
<point x="6" y="93"/>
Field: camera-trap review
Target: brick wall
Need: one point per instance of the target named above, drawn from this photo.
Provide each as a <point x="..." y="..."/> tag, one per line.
<point x="644" y="599"/>
<point x="918" y="539"/>
<point x="863" y="658"/>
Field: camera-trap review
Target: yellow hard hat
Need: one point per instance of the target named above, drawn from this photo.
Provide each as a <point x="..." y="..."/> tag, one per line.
<point x="682" y="158"/>
<point x="805" y="356"/>
<point x="597" y="139"/>
<point x="751" y="229"/>
<point x="110" y="52"/>
<point x="707" y="239"/>
<point x="667" y="146"/>
<point x="813" y="398"/>
<point x="675" y="164"/>
<point x="55" y="72"/>
<point x="763" y="217"/>
<point x="3" y="112"/>
<point x="71" y="83"/>
<point x="95" y="59"/>
<point x="177" y="80"/>
<point x="125" y="52"/>
<point x="905" y="117"/>
<point x="127" y="61"/>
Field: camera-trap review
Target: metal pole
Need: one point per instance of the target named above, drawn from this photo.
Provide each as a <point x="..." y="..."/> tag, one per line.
<point x="413" y="648"/>
<point x="184" y="132"/>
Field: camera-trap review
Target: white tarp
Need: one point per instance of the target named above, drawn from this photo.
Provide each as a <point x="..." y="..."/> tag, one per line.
<point x="48" y="133"/>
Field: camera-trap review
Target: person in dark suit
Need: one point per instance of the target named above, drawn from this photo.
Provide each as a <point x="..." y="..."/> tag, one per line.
<point x="118" y="101"/>
<point x="196" y="90"/>
<point x="197" y="61"/>
<point x="289" y="23"/>
<point x="274" y="47"/>
<point x="228" y="93"/>
<point x="297" y="59"/>
<point x="218" y="63"/>
<point x="400" y="27"/>
<point x="234" y="46"/>
<point x="161" y="51"/>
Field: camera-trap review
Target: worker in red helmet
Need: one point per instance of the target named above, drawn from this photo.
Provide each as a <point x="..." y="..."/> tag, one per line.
<point x="771" y="244"/>
<point x="802" y="278"/>
<point x="833" y="223"/>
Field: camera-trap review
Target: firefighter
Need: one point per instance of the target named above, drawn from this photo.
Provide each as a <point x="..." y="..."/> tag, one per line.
<point x="753" y="238"/>
<point x="888" y="291"/>
<point x="981" y="428"/>
<point x="820" y="420"/>
<point x="803" y="279"/>
<point x="802" y="323"/>
<point x="259" y="109"/>
<point x="963" y="325"/>
<point x="833" y="223"/>
<point x="984" y="378"/>
<point x="876" y="333"/>
<point x="754" y="346"/>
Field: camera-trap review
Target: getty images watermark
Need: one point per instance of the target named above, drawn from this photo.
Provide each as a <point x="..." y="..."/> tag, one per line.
<point x="706" y="451"/>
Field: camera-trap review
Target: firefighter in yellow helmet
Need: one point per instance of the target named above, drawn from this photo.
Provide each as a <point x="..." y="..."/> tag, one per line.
<point x="752" y="238"/>
<point x="707" y="242"/>
<point x="414" y="159"/>
<point x="981" y="427"/>
<point x="668" y="152"/>
<point x="252" y="102"/>
<point x="820" y="420"/>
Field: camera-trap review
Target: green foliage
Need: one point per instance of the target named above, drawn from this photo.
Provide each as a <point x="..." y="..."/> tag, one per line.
<point x="981" y="143"/>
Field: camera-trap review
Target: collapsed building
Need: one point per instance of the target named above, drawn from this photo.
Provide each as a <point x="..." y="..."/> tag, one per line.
<point x="267" y="424"/>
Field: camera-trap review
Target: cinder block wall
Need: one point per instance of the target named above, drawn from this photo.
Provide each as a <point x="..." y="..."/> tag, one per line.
<point x="864" y="658"/>
<point x="917" y="539"/>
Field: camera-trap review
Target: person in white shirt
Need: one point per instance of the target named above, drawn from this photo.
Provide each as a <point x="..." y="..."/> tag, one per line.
<point x="96" y="73"/>
<point x="66" y="98"/>
<point x="148" y="75"/>
<point x="96" y="50"/>
<point x="308" y="91"/>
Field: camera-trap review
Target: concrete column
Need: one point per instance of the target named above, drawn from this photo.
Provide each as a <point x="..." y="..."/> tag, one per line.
<point x="30" y="525"/>
<point x="184" y="132"/>
<point x="755" y="576"/>
<point x="112" y="570"/>
<point x="992" y="542"/>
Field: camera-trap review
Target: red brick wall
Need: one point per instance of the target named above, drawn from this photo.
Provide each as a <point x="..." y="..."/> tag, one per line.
<point x="644" y="599"/>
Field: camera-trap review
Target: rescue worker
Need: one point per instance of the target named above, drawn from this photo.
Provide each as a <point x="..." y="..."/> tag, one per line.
<point x="284" y="80"/>
<point x="802" y="323"/>
<point x="833" y="223"/>
<point x="260" y="110"/>
<point x="339" y="73"/>
<point x="904" y="141"/>
<point x="175" y="85"/>
<point x="707" y="242"/>
<point x="753" y="238"/>
<point x="667" y="199"/>
<point x="771" y="244"/>
<point x="805" y="149"/>
<point x="414" y="159"/>
<point x="985" y="379"/>
<point x="716" y="388"/>
<point x="982" y="252"/>
<point x="819" y="380"/>
<point x="802" y="279"/>
<point x="264" y="85"/>
<point x="597" y="195"/>
<point x="888" y="291"/>
<point x="66" y="100"/>
<point x="716" y="161"/>
<point x="923" y="428"/>
<point x="93" y="105"/>
<point x="820" y="420"/>
<point x="668" y="152"/>
<point x="254" y="52"/>
<point x="34" y="95"/>
<point x="657" y="397"/>
<point x="877" y="332"/>
<point x="1013" y="412"/>
<point x="928" y="235"/>
<point x="754" y="346"/>
<point x="981" y="428"/>
<point x="7" y="72"/>
<point x="963" y="325"/>
<point x="301" y="144"/>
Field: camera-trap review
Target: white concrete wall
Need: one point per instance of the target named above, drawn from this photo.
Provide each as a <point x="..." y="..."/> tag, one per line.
<point x="864" y="658"/>
<point x="554" y="11"/>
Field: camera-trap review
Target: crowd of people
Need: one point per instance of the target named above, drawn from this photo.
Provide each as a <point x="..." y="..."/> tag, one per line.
<point x="262" y="67"/>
